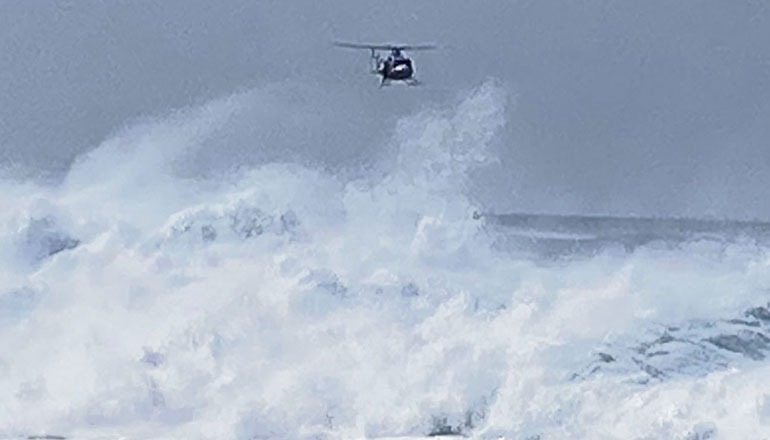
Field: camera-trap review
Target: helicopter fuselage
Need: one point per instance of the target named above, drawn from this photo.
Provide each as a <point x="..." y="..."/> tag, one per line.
<point x="398" y="69"/>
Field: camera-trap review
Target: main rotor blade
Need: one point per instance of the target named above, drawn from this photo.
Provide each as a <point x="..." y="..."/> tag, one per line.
<point x="361" y="45"/>
<point x="416" y="47"/>
<point x="384" y="46"/>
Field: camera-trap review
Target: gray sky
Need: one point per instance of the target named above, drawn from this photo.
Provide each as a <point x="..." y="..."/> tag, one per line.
<point x="622" y="107"/>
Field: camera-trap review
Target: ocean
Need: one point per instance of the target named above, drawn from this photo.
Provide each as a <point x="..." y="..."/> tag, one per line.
<point x="281" y="301"/>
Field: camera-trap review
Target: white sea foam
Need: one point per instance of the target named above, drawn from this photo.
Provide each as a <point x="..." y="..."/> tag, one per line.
<point x="287" y="303"/>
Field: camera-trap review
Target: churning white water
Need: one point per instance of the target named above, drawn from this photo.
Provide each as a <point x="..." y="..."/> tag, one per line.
<point x="284" y="302"/>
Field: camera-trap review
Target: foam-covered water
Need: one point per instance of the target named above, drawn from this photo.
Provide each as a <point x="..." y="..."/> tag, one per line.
<point x="285" y="302"/>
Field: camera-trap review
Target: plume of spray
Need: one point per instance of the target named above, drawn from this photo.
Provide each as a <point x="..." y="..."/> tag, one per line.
<point x="192" y="292"/>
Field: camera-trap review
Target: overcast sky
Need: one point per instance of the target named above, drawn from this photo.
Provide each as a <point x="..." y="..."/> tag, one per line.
<point x="622" y="107"/>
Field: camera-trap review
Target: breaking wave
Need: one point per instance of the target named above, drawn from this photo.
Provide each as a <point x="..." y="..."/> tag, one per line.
<point x="287" y="302"/>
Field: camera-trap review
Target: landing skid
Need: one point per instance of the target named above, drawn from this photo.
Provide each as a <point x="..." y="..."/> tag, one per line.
<point x="409" y="82"/>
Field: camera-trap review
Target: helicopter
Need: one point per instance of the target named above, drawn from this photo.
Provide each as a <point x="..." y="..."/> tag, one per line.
<point x="396" y="67"/>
